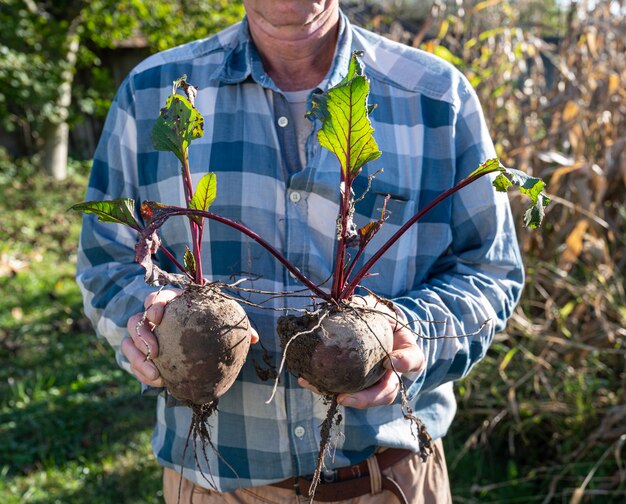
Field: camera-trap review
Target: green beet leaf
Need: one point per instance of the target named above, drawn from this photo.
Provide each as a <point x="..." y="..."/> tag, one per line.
<point x="205" y="194"/>
<point x="530" y="186"/>
<point x="179" y="122"/>
<point x="502" y="183"/>
<point x="117" y="211"/>
<point x="346" y="129"/>
<point x="533" y="217"/>
<point x="491" y="165"/>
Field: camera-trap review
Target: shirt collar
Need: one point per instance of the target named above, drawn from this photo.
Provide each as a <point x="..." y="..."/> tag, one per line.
<point x="242" y="60"/>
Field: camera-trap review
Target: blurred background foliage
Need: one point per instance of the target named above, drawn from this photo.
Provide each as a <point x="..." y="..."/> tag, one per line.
<point x="52" y="71"/>
<point x="541" y="419"/>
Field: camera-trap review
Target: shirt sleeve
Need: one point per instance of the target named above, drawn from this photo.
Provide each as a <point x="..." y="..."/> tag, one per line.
<point x="111" y="282"/>
<point x="474" y="287"/>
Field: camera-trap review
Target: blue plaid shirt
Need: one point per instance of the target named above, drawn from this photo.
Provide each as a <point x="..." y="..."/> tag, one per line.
<point x="453" y="271"/>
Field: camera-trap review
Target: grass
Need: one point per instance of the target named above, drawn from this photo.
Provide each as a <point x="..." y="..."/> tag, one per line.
<point x="73" y="427"/>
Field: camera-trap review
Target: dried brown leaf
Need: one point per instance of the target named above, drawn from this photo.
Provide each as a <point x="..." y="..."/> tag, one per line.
<point x="573" y="245"/>
<point x="570" y="111"/>
<point x="559" y="173"/>
<point x="613" y="83"/>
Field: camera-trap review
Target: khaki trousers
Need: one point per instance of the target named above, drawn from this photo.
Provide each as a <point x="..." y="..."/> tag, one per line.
<point x="422" y="483"/>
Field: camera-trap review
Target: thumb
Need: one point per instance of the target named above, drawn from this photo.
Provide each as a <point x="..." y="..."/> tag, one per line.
<point x="406" y="359"/>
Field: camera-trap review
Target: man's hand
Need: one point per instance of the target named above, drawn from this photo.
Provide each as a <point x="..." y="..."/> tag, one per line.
<point x="406" y="357"/>
<point x="142" y="341"/>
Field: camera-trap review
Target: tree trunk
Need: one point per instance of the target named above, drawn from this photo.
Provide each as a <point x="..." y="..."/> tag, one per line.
<point x="55" y="149"/>
<point x="56" y="134"/>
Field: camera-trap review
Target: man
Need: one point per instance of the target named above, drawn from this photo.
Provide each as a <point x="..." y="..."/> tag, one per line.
<point x="456" y="275"/>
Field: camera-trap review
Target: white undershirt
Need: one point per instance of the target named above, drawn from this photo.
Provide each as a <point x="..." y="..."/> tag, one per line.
<point x="299" y="107"/>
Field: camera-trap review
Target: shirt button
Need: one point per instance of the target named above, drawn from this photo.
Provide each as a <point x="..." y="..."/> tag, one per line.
<point x="299" y="431"/>
<point x="294" y="196"/>
<point x="283" y="121"/>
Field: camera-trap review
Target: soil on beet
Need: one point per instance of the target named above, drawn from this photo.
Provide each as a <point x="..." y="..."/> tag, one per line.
<point x="204" y="339"/>
<point x="337" y="350"/>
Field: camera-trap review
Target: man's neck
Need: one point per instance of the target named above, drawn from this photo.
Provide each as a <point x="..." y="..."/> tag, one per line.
<point x="297" y="57"/>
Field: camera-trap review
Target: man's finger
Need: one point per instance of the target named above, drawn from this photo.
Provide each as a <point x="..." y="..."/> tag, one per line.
<point x="145" y="376"/>
<point x="140" y="331"/>
<point x="305" y="384"/>
<point x="155" y="303"/>
<point x="145" y="371"/>
<point x="384" y="392"/>
<point x="407" y="358"/>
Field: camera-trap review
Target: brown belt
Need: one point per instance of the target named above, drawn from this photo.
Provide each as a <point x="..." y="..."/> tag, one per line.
<point x="352" y="481"/>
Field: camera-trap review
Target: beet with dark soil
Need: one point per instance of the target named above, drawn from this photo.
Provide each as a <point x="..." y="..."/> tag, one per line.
<point x="338" y="350"/>
<point x="204" y="338"/>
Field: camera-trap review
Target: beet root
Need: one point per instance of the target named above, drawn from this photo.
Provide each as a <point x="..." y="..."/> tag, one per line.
<point x="204" y="338"/>
<point x="342" y="350"/>
<point x="337" y="350"/>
